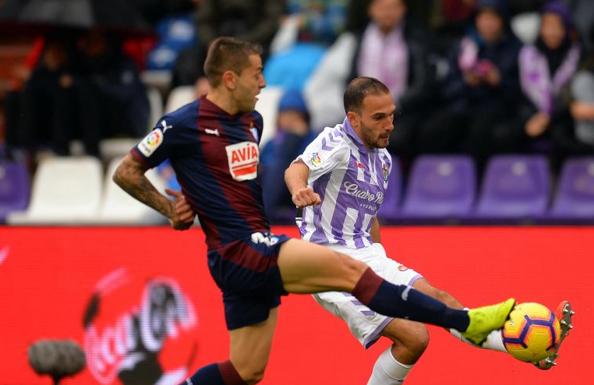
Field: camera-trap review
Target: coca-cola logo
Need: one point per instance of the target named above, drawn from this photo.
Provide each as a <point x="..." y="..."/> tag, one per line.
<point x="126" y="343"/>
<point x="353" y="189"/>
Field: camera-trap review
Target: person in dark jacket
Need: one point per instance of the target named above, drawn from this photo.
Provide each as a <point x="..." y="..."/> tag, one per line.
<point x="251" y="20"/>
<point x="546" y="70"/>
<point x="393" y="49"/>
<point x="480" y="93"/>
<point x="48" y="98"/>
<point x="293" y="135"/>
<point x="112" y="98"/>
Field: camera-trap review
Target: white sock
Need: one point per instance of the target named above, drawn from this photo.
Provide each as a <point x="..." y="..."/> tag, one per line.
<point x="494" y="340"/>
<point x="388" y="371"/>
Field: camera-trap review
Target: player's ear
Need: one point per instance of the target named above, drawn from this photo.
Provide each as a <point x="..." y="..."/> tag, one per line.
<point x="229" y="79"/>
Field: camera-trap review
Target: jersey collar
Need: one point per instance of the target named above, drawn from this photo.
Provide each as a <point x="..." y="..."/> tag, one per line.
<point x="350" y="131"/>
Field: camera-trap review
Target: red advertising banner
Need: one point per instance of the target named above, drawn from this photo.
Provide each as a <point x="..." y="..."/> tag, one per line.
<point x="141" y="304"/>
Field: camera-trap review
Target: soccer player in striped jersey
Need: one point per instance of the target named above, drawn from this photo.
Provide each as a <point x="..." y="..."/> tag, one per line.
<point x="212" y="144"/>
<point x="340" y="181"/>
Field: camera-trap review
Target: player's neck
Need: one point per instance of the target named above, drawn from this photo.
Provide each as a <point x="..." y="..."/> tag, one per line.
<point x="223" y="101"/>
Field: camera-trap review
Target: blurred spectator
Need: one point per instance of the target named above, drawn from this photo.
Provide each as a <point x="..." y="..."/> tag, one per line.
<point x="421" y="11"/>
<point x="154" y="11"/>
<point x="451" y="17"/>
<point x="301" y="41"/>
<point x="390" y="48"/>
<point x="583" y="11"/>
<point x="582" y="110"/>
<point x="393" y="50"/>
<point x="174" y="34"/>
<point x="112" y="98"/>
<point x="293" y="135"/>
<point x="481" y="92"/>
<point x="524" y="6"/>
<point x="43" y="114"/>
<point x="546" y="69"/>
<point x="320" y="21"/>
<point x="252" y="20"/>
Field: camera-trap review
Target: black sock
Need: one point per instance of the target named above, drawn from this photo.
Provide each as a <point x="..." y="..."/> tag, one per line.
<point x="401" y="301"/>
<point x="216" y="374"/>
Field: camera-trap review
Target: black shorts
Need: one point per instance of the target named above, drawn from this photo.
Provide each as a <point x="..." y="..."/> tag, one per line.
<point x="247" y="273"/>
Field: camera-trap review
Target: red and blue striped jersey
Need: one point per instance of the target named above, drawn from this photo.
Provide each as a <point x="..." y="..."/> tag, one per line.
<point x="215" y="157"/>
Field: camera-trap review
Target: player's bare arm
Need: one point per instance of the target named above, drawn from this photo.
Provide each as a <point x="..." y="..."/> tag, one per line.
<point x="296" y="179"/>
<point x="130" y="177"/>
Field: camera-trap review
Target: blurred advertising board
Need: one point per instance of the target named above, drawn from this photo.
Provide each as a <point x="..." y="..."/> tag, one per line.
<point x="141" y="304"/>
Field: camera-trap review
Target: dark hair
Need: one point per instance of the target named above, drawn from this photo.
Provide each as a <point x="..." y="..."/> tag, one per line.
<point x="228" y="54"/>
<point x="358" y="89"/>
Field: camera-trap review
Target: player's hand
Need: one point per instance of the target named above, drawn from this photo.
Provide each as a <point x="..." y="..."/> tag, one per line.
<point x="537" y="124"/>
<point x="306" y="197"/>
<point x="182" y="215"/>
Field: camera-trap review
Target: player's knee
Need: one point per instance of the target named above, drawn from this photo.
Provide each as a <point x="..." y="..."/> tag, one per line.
<point x="421" y="341"/>
<point x="353" y="269"/>
<point x="411" y="345"/>
<point x="253" y="375"/>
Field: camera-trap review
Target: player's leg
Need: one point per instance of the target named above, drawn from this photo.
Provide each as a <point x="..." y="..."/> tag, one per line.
<point x="494" y="340"/>
<point x="309" y="268"/>
<point x="250" y="348"/>
<point x="410" y="339"/>
<point x="249" y="353"/>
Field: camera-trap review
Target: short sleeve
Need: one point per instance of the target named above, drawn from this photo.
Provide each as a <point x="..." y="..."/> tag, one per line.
<point x="326" y="153"/>
<point x="160" y="144"/>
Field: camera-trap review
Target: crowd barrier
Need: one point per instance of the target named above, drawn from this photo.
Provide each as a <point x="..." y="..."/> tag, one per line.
<point x="142" y="305"/>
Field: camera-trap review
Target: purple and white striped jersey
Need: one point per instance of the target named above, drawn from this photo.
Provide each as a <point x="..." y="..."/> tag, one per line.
<point x="351" y="180"/>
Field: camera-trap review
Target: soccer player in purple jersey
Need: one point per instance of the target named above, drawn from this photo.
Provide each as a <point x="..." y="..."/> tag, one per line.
<point x="212" y="145"/>
<point x="340" y="181"/>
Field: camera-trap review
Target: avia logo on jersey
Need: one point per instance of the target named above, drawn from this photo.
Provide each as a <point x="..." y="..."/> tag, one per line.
<point x="243" y="160"/>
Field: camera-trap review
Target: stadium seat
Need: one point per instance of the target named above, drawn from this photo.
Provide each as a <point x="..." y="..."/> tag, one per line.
<point x="575" y="191"/>
<point x="440" y="187"/>
<point x="267" y="106"/>
<point x="390" y="209"/>
<point x="111" y="148"/>
<point x="66" y="190"/>
<point x="156" y="103"/>
<point x="117" y="207"/>
<point x="179" y="97"/>
<point x="14" y="188"/>
<point x="515" y="187"/>
<point x="116" y="148"/>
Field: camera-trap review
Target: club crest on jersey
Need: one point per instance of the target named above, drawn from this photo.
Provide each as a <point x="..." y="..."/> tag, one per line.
<point x="315" y="159"/>
<point x="243" y="160"/>
<point x="385" y="171"/>
<point x="151" y="142"/>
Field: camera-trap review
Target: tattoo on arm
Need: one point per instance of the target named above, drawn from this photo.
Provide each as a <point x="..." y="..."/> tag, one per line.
<point x="130" y="177"/>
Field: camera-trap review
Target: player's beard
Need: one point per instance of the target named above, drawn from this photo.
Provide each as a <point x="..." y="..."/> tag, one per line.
<point x="373" y="141"/>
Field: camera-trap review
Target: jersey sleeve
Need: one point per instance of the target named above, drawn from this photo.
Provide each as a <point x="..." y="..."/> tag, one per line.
<point x="325" y="154"/>
<point x="160" y="144"/>
<point x="258" y="125"/>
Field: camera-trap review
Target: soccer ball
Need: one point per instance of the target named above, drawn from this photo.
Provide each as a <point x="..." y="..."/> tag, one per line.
<point x="531" y="332"/>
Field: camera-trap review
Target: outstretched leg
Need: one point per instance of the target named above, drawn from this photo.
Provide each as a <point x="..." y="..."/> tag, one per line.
<point x="494" y="340"/>
<point x="309" y="268"/>
<point x="249" y="353"/>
